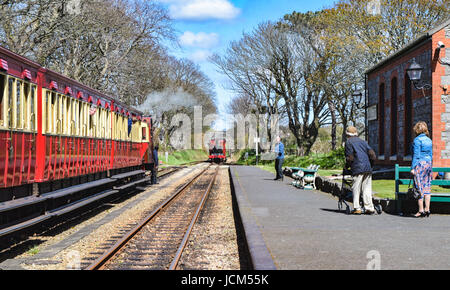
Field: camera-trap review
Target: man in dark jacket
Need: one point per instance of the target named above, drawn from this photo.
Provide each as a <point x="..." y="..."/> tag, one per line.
<point x="360" y="157"/>
<point x="155" y="165"/>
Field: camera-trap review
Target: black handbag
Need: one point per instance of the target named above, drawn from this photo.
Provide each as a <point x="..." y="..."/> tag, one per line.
<point x="413" y="193"/>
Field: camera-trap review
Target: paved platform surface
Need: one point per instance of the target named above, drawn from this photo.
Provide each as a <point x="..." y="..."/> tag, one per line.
<point x="304" y="230"/>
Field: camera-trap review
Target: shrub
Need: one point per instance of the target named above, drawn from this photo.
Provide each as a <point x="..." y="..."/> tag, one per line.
<point x="333" y="160"/>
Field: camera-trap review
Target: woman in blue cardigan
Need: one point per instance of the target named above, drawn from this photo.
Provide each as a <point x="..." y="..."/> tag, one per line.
<point x="422" y="168"/>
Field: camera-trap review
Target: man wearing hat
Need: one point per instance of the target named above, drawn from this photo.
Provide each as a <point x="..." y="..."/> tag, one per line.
<point x="360" y="157"/>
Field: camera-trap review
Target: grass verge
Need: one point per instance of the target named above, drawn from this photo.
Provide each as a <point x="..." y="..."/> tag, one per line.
<point x="386" y="188"/>
<point x="381" y="188"/>
<point x="183" y="157"/>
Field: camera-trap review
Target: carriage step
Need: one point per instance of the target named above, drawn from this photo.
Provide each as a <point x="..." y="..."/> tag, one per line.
<point x="77" y="188"/>
<point x="81" y="203"/>
<point x="128" y="174"/>
<point x="24" y="225"/>
<point x="133" y="184"/>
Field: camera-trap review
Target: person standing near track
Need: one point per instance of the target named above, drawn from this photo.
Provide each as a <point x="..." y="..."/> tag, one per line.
<point x="422" y="167"/>
<point x="279" y="150"/>
<point x="360" y="157"/>
<point x="155" y="165"/>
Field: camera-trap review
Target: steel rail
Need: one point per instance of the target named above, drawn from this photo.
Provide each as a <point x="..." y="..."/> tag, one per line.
<point x="100" y="262"/>
<point x="164" y="172"/>
<point x="181" y="248"/>
<point x="171" y="169"/>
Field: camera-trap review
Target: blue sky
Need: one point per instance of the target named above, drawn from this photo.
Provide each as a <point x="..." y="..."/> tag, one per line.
<point x="208" y="26"/>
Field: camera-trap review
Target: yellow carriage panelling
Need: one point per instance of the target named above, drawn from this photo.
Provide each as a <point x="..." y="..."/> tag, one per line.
<point x="54" y="112"/>
<point x="144" y="132"/>
<point x="64" y="115"/>
<point x="18" y="103"/>
<point x="108" y="125"/>
<point x="136" y="132"/>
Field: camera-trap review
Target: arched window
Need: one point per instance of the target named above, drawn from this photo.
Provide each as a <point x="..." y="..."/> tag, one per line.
<point x="408" y="115"/>
<point x="394" y="109"/>
<point x="381" y="143"/>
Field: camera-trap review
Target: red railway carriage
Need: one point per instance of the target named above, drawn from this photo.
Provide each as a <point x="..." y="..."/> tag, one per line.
<point x="54" y="128"/>
<point x="217" y="150"/>
<point x="148" y="152"/>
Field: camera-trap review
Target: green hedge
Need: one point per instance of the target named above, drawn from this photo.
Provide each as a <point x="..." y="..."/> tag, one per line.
<point x="333" y="160"/>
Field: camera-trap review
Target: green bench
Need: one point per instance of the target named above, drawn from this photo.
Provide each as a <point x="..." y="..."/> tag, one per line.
<point x="435" y="197"/>
<point x="304" y="177"/>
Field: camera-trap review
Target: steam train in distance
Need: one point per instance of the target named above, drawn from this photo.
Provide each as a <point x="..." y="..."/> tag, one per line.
<point x="54" y="129"/>
<point x="217" y="150"/>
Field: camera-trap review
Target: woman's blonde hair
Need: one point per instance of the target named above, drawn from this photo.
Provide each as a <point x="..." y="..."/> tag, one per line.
<point x="421" y="127"/>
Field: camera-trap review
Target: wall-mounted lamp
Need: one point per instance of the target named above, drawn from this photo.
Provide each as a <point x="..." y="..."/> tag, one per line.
<point x="415" y="74"/>
<point x="356" y="95"/>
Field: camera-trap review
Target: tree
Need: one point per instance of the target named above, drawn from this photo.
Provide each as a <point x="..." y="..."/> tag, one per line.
<point x="97" y="44"/>
<point x="349" y="39"/>
<point x="185" y="87"/>
<point x="247" y="65"/>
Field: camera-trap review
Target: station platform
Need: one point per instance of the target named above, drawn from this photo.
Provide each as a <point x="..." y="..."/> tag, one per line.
<point x="292" y="229"/>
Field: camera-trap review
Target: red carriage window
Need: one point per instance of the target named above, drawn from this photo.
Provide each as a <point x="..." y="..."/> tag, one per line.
<point x="80" y="118"/>
<point x="11" y="82"/>
<point x="46" y="111"/>
<point x="59" y="113"/>
<point x="26" y="100"/>
<point x="32" y="108"/>
<point x="2" y="94"/>
<point x="74" y="123"/>
<point x="18" y="105"/>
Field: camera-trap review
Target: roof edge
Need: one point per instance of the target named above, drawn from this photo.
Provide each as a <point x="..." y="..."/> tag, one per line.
<point x="422" y="38"/>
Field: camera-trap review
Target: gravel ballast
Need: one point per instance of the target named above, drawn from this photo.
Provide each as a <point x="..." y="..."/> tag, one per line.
<point x="77" y="247"/>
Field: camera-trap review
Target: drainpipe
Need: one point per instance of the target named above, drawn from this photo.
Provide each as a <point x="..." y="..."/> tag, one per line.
<point x="366" y="95"/>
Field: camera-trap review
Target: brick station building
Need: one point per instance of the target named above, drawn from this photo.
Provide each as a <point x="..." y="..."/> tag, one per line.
<point x="394" y="105"/>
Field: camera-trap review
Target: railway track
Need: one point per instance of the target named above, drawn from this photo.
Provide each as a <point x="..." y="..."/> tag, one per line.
<point x="27" y="228"/>
<point x="158" y="241"/>
<point x="164" y="172"/>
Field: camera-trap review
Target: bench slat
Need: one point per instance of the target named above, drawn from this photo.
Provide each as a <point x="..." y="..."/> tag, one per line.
<point x="442" y="194"/>
<point x="433" y="182"/>
<point x="440" y="182"/>
<point x="435" y="197"/>
<point x="440" y="198"/>
<point x="435" y="169"/>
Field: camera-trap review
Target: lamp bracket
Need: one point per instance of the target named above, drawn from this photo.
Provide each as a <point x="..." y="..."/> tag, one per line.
<point x="419" y="86"/>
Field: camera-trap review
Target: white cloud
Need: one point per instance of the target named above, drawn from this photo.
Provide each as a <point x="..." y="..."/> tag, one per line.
<point x="200" y="56"/>
<point x="202" y="9"/>
<point x="201" y="39"/>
